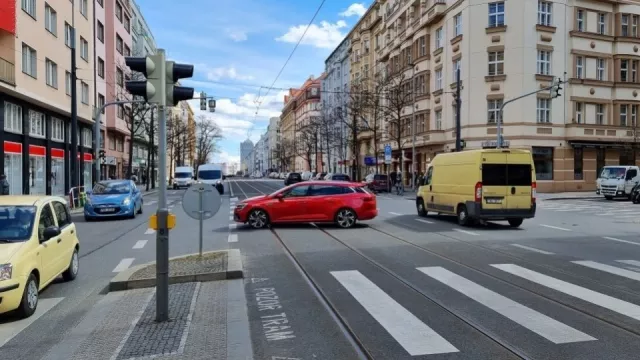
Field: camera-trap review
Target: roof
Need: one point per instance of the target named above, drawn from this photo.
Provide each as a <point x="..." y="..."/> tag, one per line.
<point x="26" y="200"/>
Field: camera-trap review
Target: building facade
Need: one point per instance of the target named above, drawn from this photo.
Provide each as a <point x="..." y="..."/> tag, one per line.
<point x="35" y="88"/>
<point x="273" y="134"/>
<point x="246" y="162"/>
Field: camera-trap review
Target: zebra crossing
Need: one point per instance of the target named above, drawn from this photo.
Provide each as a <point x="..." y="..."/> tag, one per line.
<point x="418" y="338"/>
<point x="619" y="209"/>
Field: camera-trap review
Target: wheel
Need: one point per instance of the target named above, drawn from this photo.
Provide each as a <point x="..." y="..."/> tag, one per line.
<point x="463" y="216"/>
<point x="515" y="222"/>
<point x="141" y="205"/>
<point x="258" y="219"/>
<point x="30" y="297"/>
<point x="346" y="218"/>
<point x="608" y="197"/>
<point x="422" y="211"/>
<point x="72" y="270"/>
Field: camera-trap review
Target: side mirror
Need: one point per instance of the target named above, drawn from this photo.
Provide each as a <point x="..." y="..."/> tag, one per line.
<point x="50" y="232"/>
<point x="279" y="196"/>
<point x="224" y="177"/>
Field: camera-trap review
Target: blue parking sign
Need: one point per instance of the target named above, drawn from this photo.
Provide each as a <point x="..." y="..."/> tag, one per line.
<point x="387" y="154"/>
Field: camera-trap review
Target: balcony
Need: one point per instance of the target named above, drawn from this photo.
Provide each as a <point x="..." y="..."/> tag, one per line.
<point x="7" y="72"/>
<point x="435" y="11"/>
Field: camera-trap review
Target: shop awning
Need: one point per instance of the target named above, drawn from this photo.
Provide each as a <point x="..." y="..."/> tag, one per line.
<point x="596" y="144"/>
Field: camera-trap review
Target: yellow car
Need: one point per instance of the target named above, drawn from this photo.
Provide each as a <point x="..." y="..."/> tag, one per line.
<point x="38" y="242"/>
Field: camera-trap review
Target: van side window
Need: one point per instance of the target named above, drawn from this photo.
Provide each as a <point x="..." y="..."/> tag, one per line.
<point x="632" y="173"/>
<point x="427" y="179"/>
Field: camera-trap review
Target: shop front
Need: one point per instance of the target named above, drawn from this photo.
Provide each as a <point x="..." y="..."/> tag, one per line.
<point x="57" y="172"/>
<point x="13" y="166"/>
<point x="37" y="170"/>
<point x="85" y="168"/>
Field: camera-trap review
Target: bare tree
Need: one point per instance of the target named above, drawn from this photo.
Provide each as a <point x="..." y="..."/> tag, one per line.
<point x="355" y="120"/>
<point x="376" y="112"/>
<point x="284" y="151"/>
<point x="207" y="136"/>
<point x="150" y="128"/>
<point x="179" y="141"/>
<point x="306" y="143"/>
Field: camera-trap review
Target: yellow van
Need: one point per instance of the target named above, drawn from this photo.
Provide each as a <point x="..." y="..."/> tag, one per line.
<point x="485" y="184"/>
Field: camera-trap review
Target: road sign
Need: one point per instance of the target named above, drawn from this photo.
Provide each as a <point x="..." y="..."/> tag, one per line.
<point x="201" y="202"/>
<point x="387" y="154"/>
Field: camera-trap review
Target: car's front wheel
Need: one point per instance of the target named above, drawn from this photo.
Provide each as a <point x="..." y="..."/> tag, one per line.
<point x="30" y="297"/>
<point x="258" y="219"/>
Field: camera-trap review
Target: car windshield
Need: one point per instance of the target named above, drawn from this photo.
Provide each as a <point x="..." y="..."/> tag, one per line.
<point x="613" y="173"/>
<point x="294" y="176"/>
<point x="111" y="188"/>
<point x="182" y="175"/>
<point x="16" y="223"/>
<point x="209" y="174"/>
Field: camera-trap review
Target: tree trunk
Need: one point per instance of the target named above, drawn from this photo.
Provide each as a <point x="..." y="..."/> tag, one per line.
<point x="148" y="172"/>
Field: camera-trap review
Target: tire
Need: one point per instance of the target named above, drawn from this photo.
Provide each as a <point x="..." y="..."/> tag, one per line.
<point x="258" y="219"/>
<point x="608" y="197"/>
<point x="30" y="297"/>
<point x="74" y="264"/>
<point x="346" y="218"/>
<point x="463" y="216"/>
<point x="515" y="222"/>
<point x="88" y="219"/>
<point x="141" y="205"/>
<point x="422" y="211"/>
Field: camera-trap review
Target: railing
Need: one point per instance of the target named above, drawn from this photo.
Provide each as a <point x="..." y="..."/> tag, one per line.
<point x="7" y="72"/>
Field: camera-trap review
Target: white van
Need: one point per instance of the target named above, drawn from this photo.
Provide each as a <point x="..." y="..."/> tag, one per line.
<point x="212" y="174"/>
<point x="183" y="177"/>
<point x="617" y="181"/>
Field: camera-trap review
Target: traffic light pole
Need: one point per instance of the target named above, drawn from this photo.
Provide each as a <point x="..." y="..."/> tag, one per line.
<point x="162" y="234"/>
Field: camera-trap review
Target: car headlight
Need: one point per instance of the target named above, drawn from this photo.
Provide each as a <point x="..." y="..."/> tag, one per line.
<point x="5" y="271"/>
<point x="240" y="206"/>
<point x="219" y="182"/>
<point x="88" y="202"/>
<point x="126" y="201"/>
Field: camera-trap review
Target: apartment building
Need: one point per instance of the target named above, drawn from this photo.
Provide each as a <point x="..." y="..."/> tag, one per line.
<point x="246" y="163"/>
<point x="505" y="49"/>
<point x="273" y="134"/>
<point x="35" y="89"/>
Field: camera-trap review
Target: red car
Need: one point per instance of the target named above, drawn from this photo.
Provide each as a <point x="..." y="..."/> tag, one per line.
<point x="310" y="201"/>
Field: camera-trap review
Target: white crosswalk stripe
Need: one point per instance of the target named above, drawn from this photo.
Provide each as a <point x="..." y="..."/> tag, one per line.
<point x="618" y="209"/>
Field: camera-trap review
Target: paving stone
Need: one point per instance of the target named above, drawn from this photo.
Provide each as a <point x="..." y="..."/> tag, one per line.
<point x="211" y="262"/>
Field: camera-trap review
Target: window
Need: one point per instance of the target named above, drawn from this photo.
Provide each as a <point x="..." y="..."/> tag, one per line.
<point x="543" y="110"/>
<point x="36" y="124"/>
<point x="624" y="25"/>
<point x="101" y="101"/>
<point x="119" y="77"/>
<point x="62" y="215"/>
<point x="439" y="120"/>
<point x="600" y="69"/>
<point x="439" y="39"/>
<point x="544" y="13"/>
<point x="12" y="118"/>
<point x="624" y="70"/>
<point x="544" y="62"/>
<point x="112" y="143"/>
<point x="118" y="11"/>
<point x="100" y="31"/>
<point x="493" y="108"/>
<point x="119" y="144"/>
<point x="46" y="220"/>
<point x="84" y="8"/>
<point x="634" y="115"/>
<point x="438" y="79"/>
<point x="600" y="114"/>
<point x="634" y="26"/>
<point x="456" y="66"/>
<point x="67" y="34"/>
<point x="423" y="46"/>
<point x="52" y="73"/>
<point x="50" y="19"/>
<point x="496" y="63"/>
<point x="326" y="190"/>
<point x="119" y="44"/>
<point x="623" y="115"/>
<point x="29" y="6"/>
<point x="57" y="130"/>
<point x="127" y="24"/>
<point x="634" y="71"/>
<point x="29" y="61"/>
<point x="120" y="112"/>
<point x="127" y="51"/>
<point x="85" y="93"/>
<point x="100" y="67"/>
<point x="298" y="191"/>
<point x="602" y="22"/>
<point x="577" y="163"/>
<point x="67" y="83"/>
<point x="506" y="175"/>
<point x="579" y="109"/>
<point x="580" y="20"/>
<point x="84" y="49"/>
<point x="457" y="25"/>
<point x="496" y="14"/>
<point x="579" y="67"/>
<point x="543" y="162"/>
<point x="87" y="137"/>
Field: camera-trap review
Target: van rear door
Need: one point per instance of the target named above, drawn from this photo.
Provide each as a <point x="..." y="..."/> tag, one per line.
<point x="519" y="179"/>
<point x="494" y="173"/>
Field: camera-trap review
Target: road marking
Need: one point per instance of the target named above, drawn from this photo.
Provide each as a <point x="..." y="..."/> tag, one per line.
<point x="394" y="213"/>
<point x="466" y="232"/>
<point x="409" y="331"/>
<point x="605" y="301"/>
<point x="123" y="265"/>
<point x="233" y="199"/>
<point x="533" y="249"/>
<point x="424" y="221"/>
<point x="149" y="231"/>
<point x="555" y="227"/>
<point x="233" y="238"/>
<point x="620" y="240"/>
<point x="232" y="226"/>
<point x="231" y="218"/>
<point x="140" y="244"/>
<point x="9" y="330"/>
<point x="630" y="262"/>
<point x="548" y="328"/>
<point x="610" y="269"/>
<point x="150" y="203"/>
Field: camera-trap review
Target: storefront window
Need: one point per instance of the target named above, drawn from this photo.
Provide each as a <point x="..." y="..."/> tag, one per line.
<point x="37" y="182"/>
<point x="57" y="176"/>
<point x="627" y="157"/>
<point x="543" y="161"/>
<point x="577" y="163"/>
<point x="13" y="170"/>
<point x="87" y="174"/>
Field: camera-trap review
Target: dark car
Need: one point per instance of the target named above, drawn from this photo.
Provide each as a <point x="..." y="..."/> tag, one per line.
<point x="338" y="177"/>
<point x="293" y="178"/>
<point x="635" y="194"/>
<point x="377" y="182"/>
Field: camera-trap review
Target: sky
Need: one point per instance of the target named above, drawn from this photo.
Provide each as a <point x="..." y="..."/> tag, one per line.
<point x="239" y="46"/>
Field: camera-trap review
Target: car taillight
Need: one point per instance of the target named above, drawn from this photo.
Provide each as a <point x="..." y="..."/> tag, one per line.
<point x="478" y="192"/>
<point x="534" y="187"/>
<point x="368" y="198"/>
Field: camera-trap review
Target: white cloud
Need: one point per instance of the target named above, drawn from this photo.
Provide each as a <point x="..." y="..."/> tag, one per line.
<point x="355" y="9"/>
<point x="236" y="35"/>
<point x="225" y="157"/>
<point x="326" y="36"/>
<point x="219" y="73"/>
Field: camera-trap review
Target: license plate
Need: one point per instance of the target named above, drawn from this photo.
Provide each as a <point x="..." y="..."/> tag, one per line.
<point x="493" y="201"/>
<point x="108" y="209"/>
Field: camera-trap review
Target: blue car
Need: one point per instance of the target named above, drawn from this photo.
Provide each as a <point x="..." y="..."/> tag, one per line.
<point x="113" y="198"/>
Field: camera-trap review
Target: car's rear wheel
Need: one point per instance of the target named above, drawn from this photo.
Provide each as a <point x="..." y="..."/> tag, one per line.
<point x="141" y="205"/>
<point x="422" y="211"/>
<point x="30" y="297"/>
<point x="609" y="197"/>
<point x="463" y="215"/>
<point x="258" y="219"/>
<point x="74" y="266"/>
<point x="515" y="222"/>
<point x="346" y="218"/>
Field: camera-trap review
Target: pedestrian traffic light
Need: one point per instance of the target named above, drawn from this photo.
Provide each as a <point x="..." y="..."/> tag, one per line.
<point x="203" y="101"/>
<point x="175" y="72"/>
<point x="101" y="154"/>
<point x="153" y="68"/>
<point x="462" y="143"/>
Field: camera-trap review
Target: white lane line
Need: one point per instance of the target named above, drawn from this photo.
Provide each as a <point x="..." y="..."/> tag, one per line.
<point x="466" y="232"/>
<point x="231" y="212"/>
<point x="610" y="269"/>
<point x="555" y="227"/>
<point x="140" y="244"/>
<point x="232" y="226"/>
<point x="605" y="301"/>
<point x="548" y="328"/>
<point x="123" y="265"/>
<point x="233" y="238"/>
<point x="149" y="231"/>
<point x="533" y="249"/>
<point x="9" y="330"/>
<point x="620" y="240"/>
<point x="234" y="199"/>
<point x="630" y="262"/>
<point x="150" y="203"/>
<point x="424" y="221"/>
<point x="409" y="331"/>
<point x="231" y="218"/>
<point x="394" y="213"/>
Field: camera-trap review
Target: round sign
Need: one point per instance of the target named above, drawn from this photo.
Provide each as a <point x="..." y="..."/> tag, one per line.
<point x="201" y="201"/>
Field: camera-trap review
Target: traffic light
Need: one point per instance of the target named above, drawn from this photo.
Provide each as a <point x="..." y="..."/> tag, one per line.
<point x="175" y="72"/>
<point x="463" y="143"/>
<point x="203" y="101"/>
<point x="212" y="105"/>
<point x="153" y="68"/>
<point x="556" y="88"/>
<point x="101" y="154"/>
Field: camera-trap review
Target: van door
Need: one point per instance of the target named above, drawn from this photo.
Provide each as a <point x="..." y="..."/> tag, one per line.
<point x="426" y="190"/>
<point x="630" y="180"/>
<point x="519" y="179"/>
<point x="494" y="180"/>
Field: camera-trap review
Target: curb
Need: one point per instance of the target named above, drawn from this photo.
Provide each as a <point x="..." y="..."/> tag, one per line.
<point x="81" y="210"/>
<point x="122" y="281"/>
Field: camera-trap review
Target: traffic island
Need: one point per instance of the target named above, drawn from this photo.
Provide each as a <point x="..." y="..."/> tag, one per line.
<point x="211" y="266"/>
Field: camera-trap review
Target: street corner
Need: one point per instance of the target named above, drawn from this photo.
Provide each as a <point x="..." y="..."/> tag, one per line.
<point x="211" y="266"/>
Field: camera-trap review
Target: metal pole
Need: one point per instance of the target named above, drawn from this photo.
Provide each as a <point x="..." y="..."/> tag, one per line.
<point x="201" y="210"/>
<point x="96" y="143"/>
<point x="162" y="235"/>
<point x="458" y="108"/>
<point x="413" y="130"/>
<point x="74" y="104"/>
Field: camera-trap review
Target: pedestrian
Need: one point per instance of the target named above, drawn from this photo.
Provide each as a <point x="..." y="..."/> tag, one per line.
<point x="4" y="185"/>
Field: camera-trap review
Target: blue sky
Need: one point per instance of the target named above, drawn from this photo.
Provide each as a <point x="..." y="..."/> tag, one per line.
<point x="239" y="46"/>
